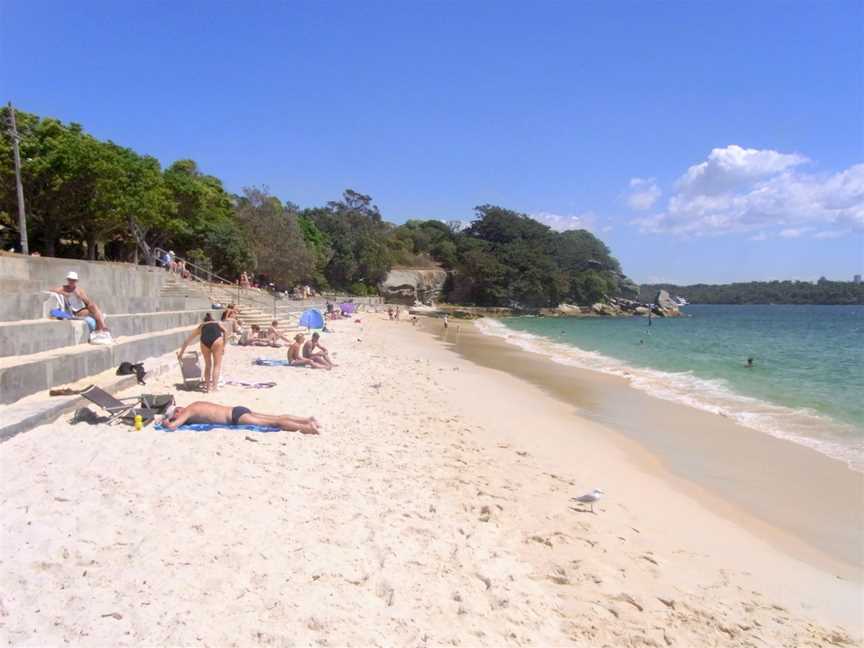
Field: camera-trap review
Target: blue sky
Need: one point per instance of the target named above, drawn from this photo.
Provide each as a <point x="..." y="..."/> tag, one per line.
<point x="703" y="141"/>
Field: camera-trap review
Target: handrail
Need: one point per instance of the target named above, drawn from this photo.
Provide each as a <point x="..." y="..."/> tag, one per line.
<point x="209" y="277"/>
<point x="261" y="301"/>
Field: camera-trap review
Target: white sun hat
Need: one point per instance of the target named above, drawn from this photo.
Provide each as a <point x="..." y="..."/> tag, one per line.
<point x="72" y="275"/>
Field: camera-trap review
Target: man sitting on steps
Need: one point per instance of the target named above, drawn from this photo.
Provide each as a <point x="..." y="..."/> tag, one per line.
<point x="80" y="305"/>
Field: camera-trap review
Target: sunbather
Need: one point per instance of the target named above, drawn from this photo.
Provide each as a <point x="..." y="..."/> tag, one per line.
<point x="295" y="356"/>
<point x="212" y="348"/>
<point x="274" y="334"/>
<point x="322" y="353"/>
<point x="204" y="412"/>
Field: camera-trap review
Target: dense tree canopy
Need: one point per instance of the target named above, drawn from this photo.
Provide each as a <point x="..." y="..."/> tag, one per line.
<point x="764" y="292"/>
<point x="86" y="197"/>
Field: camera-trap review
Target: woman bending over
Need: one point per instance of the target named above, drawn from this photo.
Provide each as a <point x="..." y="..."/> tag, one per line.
<point x="212" y="348"/>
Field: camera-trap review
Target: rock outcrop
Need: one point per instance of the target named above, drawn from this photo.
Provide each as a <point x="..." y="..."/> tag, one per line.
<point x="411" y="286"/>
<point x="607" y="310"/>
<point x="614" y="307"/>
<point x="665" y="306"/>
<point x="664" y="300"/>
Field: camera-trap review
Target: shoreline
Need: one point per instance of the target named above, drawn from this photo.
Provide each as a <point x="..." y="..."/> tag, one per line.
<point x="832" y="436"/>
<point x="808" y="504"/>
<point x="436" y="506"/>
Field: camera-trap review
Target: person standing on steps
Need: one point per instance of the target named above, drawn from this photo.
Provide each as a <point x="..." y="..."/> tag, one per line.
<point x="212" y="348"/>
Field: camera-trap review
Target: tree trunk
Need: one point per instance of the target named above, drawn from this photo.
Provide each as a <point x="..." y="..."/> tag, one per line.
<point x="91" y="246"/>
<point x="51" y="234"/>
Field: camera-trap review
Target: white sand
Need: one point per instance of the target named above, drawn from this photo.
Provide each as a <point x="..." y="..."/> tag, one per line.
<point x="434" y="509"/>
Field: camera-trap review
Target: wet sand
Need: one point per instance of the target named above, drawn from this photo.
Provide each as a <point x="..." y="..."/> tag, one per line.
<point x="804" y="502"/>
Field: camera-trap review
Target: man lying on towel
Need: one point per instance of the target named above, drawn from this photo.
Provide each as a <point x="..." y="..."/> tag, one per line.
<point x="204" y="412"/>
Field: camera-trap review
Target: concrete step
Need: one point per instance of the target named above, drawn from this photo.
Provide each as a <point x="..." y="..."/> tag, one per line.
<point x="40" y="409"/>
<point x="29" y="306"/>
<point x="22" y="338"/>
<point x="8" y="286"/>
<point x="38" y="372"/>
<point x="98" y="278"/>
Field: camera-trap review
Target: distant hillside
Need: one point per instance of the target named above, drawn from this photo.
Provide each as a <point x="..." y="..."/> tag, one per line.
<point x="763" y="292"/>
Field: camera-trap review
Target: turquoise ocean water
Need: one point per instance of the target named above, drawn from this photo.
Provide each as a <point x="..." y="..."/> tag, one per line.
<point x="807" y="383"/>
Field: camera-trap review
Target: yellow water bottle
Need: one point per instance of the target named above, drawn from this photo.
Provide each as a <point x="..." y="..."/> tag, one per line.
<point x="139" y="422"/>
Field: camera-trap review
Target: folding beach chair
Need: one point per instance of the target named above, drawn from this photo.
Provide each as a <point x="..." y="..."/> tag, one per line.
<point x="127" y="409"/>
<point x="114" y="406"/>
<point x="191" y="370"/>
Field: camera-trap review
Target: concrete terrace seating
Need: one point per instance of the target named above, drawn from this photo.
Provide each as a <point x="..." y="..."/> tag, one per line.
<point x="26" y="306"/>
<point x="256" y="306"/>
<point x="149" y="311"/>
<point x="35" y="336"/>
<point x="37" y="353"/>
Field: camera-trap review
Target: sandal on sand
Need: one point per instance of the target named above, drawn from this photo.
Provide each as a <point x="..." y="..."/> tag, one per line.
<point x="64" y="391"/>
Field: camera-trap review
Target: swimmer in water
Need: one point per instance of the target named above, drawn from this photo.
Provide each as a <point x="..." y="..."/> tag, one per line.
<point x="749" y="364"/>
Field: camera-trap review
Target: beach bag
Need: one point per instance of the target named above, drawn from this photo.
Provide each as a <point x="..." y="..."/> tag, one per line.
<point x="157" y="403"/>
<point x="152" y="405"/>
<point x="101" y="337"/>
<point x="127" y="369"/>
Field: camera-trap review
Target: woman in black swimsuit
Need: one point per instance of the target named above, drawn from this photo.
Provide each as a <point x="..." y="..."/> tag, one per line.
<point x="212" y="348"/>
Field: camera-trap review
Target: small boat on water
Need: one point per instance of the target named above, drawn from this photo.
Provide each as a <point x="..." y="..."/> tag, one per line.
<point x="680" y="301"/>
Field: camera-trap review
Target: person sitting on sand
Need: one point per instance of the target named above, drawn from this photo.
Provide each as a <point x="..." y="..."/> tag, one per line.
<point x="80" y="305"/>
<point x="254" y="337"/>
<point x="232" y="323"/>
<point x="212" y="348"/>
<point x="204" y="412"/>
<point x="295" y="356"/>
<point x="273" y="334"/>
<point x="322" y="353"/>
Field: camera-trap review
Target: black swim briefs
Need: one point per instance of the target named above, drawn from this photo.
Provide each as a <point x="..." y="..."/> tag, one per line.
<point x="237" y="412"/>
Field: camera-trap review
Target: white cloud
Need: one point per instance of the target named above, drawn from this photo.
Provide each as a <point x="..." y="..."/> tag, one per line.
<point x="748" y="190"/>
<point x="727" y="168"/>
<point x="562" y="222"/>
<point x="794" y="232"/>
<point x="831" y="234"/>
<point x="644" y="192"/>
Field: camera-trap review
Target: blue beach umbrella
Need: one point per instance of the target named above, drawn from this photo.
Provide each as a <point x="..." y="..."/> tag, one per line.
<point x="312" y="318"/>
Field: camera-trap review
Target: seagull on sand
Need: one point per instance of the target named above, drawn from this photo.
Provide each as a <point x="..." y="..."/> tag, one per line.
<point x="589" y="498"/>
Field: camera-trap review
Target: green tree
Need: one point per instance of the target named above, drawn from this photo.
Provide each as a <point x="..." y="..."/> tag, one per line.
<point x="57" y="169"/>
<point x="357" y="236"/>
<point x="279" y="249"/>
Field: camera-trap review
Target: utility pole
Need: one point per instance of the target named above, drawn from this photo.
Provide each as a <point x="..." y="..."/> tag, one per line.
<point x="22" y="218"/>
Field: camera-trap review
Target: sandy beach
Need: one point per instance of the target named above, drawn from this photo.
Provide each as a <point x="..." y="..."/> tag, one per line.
<point x="435" y="508"/>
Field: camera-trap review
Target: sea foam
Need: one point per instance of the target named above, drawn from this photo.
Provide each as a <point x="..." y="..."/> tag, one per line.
<point x="803" y="426"/>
